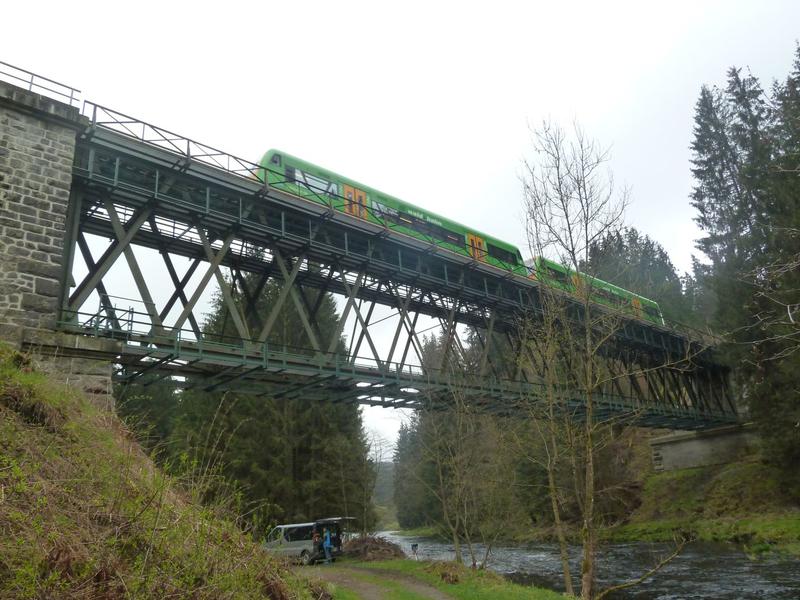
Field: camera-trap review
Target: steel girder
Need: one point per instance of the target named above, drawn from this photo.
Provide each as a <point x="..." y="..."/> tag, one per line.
<point x="135" y="193"/>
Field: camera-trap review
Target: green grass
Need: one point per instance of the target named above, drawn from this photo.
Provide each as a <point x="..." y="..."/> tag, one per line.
<point x="392" y="590"/>
<point x="742" y="502"/>
<point x="342" y="593"/>
<point x="85" y="512"/>
<point x="471" y="585"/>
<point x="772" y="532"/>
<point x="424" y="531"/>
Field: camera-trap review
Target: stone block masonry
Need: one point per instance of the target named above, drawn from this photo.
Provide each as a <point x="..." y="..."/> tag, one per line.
<point x="37" y="149"/>
<point x="37" y="146"/>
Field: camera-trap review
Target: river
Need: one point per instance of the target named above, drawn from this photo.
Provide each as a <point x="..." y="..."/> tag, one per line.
<point x="710" y="571"/>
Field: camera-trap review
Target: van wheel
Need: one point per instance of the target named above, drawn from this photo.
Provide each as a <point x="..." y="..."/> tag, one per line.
<point x="305" y="558"/>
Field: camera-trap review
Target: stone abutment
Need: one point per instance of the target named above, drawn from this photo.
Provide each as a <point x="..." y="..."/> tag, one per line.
<point x="37" y="150"/>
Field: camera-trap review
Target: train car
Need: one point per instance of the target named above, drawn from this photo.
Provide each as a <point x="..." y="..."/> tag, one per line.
<point x="305" y="180"/>
<point x="300" y="178"/>
<point x="602" y="292"/>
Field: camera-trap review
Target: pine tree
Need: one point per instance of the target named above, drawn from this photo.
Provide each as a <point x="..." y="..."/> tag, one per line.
<point x="775" y="403"/>
<point x="291" y="459"/>
<point x="747" y="185"/>
<point x="637" y="263"/>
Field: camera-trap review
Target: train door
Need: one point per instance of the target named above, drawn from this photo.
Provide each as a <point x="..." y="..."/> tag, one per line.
<point x="637" y="307"/>
<point x="578" y="285"/>
<point x="355" y="202"/>
<point x="476" y="247"/>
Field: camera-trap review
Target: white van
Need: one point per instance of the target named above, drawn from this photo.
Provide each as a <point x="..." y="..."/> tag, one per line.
<point x="295" y="540"/>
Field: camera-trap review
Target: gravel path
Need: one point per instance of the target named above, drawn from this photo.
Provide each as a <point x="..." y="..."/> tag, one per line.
<point x="348" y="577"/>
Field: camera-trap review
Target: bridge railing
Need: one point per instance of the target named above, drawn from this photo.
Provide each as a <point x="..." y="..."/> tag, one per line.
<point x="130" y="325"/>
<point x="39" y="84"/>
<point x="102" y="116"/>
<point x="149" y="346"/>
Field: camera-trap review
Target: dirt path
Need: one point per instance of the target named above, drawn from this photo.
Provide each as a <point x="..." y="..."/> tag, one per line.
<point x="349" y="577"/>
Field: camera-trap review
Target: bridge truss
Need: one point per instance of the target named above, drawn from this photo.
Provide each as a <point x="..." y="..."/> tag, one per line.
<point x="215" y="225"/>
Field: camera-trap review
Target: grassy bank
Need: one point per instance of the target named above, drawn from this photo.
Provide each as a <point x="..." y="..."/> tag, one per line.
<point x="746" y="502"/>
<point x="84" y="512"/>
<point x="454" y="580"/>
<point x="426" y="531"/>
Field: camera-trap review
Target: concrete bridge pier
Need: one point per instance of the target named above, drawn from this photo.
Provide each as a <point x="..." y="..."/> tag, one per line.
<point x="37" y="149"/>
<point x="688" y="449"/>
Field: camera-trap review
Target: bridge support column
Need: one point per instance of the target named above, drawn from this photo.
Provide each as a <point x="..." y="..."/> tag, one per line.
<point x="688" y="449"/>
<point x="37" y="150"/>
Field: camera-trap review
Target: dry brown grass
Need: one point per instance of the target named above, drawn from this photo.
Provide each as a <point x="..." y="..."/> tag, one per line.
<point x="372" y="548"/>
<point x="85" y="513"/>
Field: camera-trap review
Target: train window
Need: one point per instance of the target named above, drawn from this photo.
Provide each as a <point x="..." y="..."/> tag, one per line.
<point x="502" y="255"/>
<point x="437" y="232"/>
<point x="652" y="311"/>
<point x="318" y="185"/>
<point x="557" y="275"/>
<point x="609" y="296"/>
<point x="392" y="215"/>
<point x="276" y="159"/>
<point x="605" y="295"/>
<point x="445" y="235"/>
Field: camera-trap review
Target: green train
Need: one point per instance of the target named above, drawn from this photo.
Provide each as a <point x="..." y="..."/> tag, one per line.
<point x="561" y="277"/>
<point x="305" y="180"/>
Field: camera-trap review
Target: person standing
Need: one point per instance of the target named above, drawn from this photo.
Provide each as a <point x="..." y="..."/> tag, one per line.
<point x="326" y="544"/>
<point x="315" y="545"/>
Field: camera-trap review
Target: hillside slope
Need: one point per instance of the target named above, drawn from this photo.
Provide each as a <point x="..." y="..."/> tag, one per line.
<point x="747" y="501"/>
<point x="84" y="512"/>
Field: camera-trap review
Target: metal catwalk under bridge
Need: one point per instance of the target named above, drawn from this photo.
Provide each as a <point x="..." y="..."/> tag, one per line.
<point x="214" y="224"/>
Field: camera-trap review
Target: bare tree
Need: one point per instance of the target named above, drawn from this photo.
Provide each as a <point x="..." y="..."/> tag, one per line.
<point x="571" y="203"/>
<point x="570" y="199"/>
<point x="445" y="445"/>
<point x="542" y="341"/>
<point x="464" y="467"/>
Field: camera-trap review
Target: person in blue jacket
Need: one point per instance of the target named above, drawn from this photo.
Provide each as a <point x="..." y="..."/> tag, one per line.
<point x="326" y="544"/>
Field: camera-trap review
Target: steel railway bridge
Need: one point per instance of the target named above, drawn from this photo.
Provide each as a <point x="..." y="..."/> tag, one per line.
<point x="216" y="226"/>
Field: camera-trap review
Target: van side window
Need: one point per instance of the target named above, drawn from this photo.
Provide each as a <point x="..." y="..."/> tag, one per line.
<point x="299" y="534"/>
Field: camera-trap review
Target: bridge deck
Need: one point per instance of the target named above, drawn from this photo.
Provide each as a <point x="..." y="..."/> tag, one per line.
<point x="282" y="372"/>
<point x="154" y="189"/>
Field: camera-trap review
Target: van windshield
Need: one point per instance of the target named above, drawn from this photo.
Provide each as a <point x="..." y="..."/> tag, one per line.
<point x="274" y="535"/>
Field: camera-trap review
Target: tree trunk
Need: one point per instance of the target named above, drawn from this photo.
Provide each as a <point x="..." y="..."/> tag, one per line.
<point x="456" y="545"/>
<point x="588" y="533"/>
<point x="562" y="540"/>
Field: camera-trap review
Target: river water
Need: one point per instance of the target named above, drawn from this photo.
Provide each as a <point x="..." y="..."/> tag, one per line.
<point x="709" y="571"/>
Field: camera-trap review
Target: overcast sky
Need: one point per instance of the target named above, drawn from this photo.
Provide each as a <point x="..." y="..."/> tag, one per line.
<point x="427" y="101"/>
